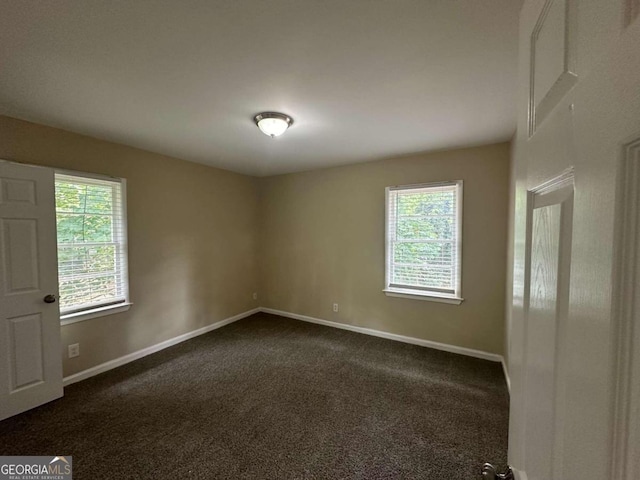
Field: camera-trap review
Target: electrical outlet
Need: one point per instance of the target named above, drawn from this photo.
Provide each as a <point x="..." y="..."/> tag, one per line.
<point x="335" y="307"/>
<point x="255" y="296"/>
<point x="74" y="350"/>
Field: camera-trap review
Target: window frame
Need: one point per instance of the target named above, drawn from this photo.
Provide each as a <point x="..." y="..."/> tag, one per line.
<point x="425" y="293"/>
<point x="104" y="309"/>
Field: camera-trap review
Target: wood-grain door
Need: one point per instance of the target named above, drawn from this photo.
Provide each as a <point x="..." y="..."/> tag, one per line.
<point x="548" y="275"/>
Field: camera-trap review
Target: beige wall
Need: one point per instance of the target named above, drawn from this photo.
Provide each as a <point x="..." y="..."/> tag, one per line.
<point x="202" y="240"/>
<point x="192" y="239"/>
<point x="322" y="242"/>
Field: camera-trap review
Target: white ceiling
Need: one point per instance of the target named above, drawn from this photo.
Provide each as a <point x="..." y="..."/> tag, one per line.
<point x="362" y="79"/>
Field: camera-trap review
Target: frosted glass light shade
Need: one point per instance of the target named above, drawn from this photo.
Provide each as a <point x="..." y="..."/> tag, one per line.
<point x="274" y="127"/>
<point x="273" y="124"/>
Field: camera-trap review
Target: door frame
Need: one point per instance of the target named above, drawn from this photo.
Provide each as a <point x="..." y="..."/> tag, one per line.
<point x="625" y="383"/>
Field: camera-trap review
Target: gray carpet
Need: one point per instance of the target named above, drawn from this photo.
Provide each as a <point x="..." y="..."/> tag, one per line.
<point x="274" y="398"/>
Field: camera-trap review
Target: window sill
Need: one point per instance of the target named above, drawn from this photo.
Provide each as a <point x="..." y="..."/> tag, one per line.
<point x="429" y="297"/>
<point x="95" y="313"/>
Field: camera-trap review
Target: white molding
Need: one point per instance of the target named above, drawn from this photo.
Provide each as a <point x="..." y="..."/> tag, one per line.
<point x="506" y="375"/>
<point x="520" y="475"/>
<point x="76" y="317"/>
<point x="566" y="178"/>
<point x="538" y="111"/>
<point x="493" y="357"/>
<point x="117" y="362"/>
<point x="422" y="296"/>
<point x="626" y="336"/>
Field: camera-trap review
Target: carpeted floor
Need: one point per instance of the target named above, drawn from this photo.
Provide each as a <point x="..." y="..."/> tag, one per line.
<point x="274" y="398"/>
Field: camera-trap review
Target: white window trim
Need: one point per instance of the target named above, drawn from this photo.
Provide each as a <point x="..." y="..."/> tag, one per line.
<point x="94" y="313"/>
<point x="75" y="317"/>
<point x="420" y="294"/>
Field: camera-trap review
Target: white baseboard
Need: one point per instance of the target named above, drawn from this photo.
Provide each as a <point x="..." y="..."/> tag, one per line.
<point x="391" y="336"/>
<point x="506" y="375"/>
<point x="520" y="475"/>
<point x="117" y="362"/>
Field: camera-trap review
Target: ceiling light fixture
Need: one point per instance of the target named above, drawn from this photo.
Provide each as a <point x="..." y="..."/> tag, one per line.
<point x="272" y="123"/>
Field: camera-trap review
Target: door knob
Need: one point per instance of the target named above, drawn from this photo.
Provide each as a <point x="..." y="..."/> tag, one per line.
<point x="489" y="473"/>
<point x="50" y="299"/>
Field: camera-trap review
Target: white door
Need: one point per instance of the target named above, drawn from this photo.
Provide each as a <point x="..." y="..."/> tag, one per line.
<point x="30" y="359"/>
<point x="547" y="277"/>
<point x="578" y="118"/>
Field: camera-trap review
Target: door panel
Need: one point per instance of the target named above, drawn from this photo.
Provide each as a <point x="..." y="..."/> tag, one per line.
<point x="18" y="191"/>
<point x="541" y="338"/>
<point x="30" y="360"/>
<point x="25" y="351"/>
<point x="20" y="255"/>
<point x="548" y="268"/>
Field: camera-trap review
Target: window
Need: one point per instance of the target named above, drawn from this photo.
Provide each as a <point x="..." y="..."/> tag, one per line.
<point x="424" y="241"/>
<point x="92" y="245"/>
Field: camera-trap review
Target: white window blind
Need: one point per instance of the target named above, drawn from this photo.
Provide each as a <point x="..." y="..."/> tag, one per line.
<point x="92" y="247"/>
<point x="424" y="238"/>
